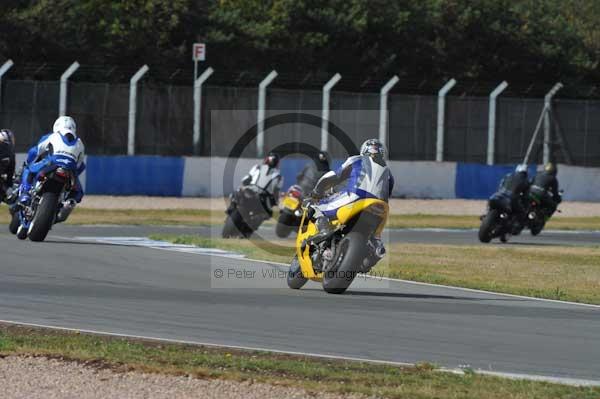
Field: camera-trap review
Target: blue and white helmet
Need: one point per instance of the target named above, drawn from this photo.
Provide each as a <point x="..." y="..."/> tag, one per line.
<point x="66" y="127"/>
<point x="372" y="147"/>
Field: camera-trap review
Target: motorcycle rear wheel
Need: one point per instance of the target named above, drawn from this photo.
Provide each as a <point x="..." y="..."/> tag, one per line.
<point x="44" y="217"/>
<point x="351" y="253"/>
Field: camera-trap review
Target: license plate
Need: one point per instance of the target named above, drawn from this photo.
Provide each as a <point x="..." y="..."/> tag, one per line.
<point x="291" y="203"/>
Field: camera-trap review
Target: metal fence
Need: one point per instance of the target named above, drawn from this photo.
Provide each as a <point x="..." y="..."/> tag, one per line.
<point x="165" y="120"/>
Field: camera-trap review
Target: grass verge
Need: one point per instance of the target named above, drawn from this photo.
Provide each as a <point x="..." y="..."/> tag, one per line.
<point x="212" y="217"/>
<point x="563" y="273"/>
<point x="314" y="375"/>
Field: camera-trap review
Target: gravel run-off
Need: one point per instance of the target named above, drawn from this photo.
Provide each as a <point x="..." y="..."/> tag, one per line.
<point x="37" y="377"/>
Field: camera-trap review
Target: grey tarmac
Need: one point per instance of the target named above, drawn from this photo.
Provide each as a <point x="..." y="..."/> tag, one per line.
<point x="122" y="289"/>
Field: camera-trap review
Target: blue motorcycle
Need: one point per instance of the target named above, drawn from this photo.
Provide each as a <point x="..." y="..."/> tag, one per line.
<point x="500" y="219"/>
<point x="55" y="177"/>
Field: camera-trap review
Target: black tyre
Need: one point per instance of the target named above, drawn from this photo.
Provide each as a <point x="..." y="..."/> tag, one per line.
<point x="285" y="225"/>
<point x="21" y="233"/>
<point x="282" y="230"/>
<point x="15" y="222"/>
<point x="44" y="217"/>
<point x="537" y="228"/>
<point x="229" y="229"/>
<point x="295" y="279"/>
<point x="488" y="225"/>
<point x="350" y="255"/>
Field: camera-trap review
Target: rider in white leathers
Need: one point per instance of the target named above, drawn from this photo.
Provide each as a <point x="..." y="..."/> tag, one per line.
<point x="64" y="144"/>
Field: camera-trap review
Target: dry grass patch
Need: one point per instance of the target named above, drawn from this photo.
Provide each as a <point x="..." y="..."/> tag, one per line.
<point x="565" y="273"/>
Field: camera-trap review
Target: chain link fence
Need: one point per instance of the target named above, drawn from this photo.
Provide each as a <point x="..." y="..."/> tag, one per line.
<point x="165" y="120"/>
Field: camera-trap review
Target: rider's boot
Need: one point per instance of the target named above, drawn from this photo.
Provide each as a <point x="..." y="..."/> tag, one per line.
<point x="24" y="196"/>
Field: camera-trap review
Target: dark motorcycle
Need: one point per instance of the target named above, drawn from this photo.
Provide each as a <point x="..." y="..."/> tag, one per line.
<point x="540" y="208"/>
<point x="290" y="212"/>
<point x="48" y="206"/>
<point x="9" y="194"/>
<point x="4" y="175"/>
<point x="500" y="220"/>
<point x="250" y="206"/>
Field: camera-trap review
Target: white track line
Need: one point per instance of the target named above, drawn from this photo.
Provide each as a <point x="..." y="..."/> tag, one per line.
<point x="517" y="376"/>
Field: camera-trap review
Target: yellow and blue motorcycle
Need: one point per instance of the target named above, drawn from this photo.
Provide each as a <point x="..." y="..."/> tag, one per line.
<point x="347" y="250"/>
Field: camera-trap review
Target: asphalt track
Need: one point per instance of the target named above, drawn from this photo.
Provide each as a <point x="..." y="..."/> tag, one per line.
<point x="127" y="289"/>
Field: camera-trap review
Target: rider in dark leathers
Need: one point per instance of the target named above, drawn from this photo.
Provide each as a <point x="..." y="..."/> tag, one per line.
<point x="312" y="172"/>
<point x="516" y="185"/>
<point x="7" y="161"/>
<point x="545" y="185"/>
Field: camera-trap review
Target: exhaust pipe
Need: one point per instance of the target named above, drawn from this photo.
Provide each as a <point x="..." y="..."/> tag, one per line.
<point x="66" y="210"/>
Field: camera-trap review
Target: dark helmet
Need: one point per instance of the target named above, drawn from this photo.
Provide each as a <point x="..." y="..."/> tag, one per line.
<point x="550" y="168"/>
<point x="272" y="160"/>
<point x="323" y="160"/>
<point x="7" y="136"/>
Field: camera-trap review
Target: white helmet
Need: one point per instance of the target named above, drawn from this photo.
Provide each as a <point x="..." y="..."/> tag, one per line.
<point x="521" y="168"/>
<point x="6" y="136"/>
<point x="65" y="125"/>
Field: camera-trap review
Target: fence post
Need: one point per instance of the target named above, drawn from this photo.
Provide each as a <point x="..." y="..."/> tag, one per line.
<point x="491" y="147"/>
<point x="3" y="69"/>
<point x="198" y="107"/>
<point x="262" y="100"/>
<point x="325" y="110"/>
<point x="441" y="119"/>
<point x="383" y="108"/>
<point x="62" y="104"/>
<point x="547" y="109"/>
<point x="133" y="108"/>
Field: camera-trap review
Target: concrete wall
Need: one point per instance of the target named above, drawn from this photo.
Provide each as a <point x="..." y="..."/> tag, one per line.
<point x="206" y="177"/>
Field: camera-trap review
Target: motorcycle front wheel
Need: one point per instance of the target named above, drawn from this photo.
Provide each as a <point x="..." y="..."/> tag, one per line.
<point x="349" y="257"/>
<point x="488" y="224"/>
<point x="285" y="224"/>
<point x="295" y="279"/>
<point x="229" y="229"/>
<point x="15" y="222"/>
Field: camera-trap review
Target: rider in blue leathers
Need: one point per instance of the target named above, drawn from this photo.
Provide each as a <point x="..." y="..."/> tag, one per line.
<point x="364" y="176"/>
<point x="64" y="140"/>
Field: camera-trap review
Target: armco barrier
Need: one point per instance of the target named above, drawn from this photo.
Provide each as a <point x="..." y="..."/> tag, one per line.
<point x="204" y="177"/>
<point x="141" y="175"/>
<point x="579" y="184"/>
<point x="423" y="179"/>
